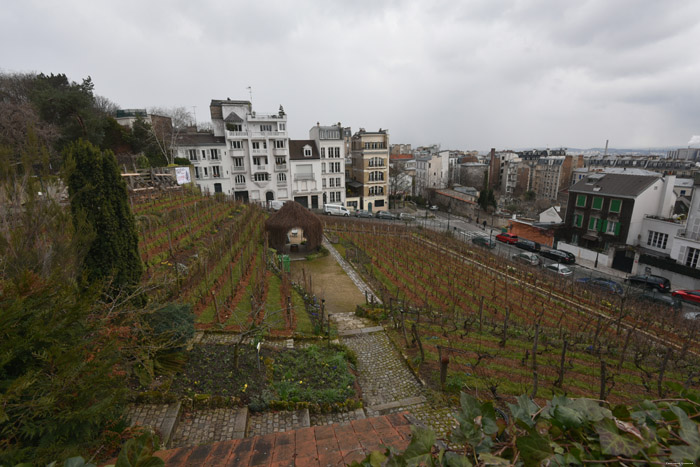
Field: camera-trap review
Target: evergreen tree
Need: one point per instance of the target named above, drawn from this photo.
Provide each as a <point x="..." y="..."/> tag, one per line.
<point x="99" y="198"/>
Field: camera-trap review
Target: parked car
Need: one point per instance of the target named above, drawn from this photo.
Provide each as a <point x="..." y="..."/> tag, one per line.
<point x="687" y="295"/>
<point x="507" y="238"/>
<point x="650" y="282"/>
<point x="559" y="269"/>
<point x="527" y="258"/>
<point x="560" y="256"/>
<point x="335" y="210"/>
<point x="484" y="241"/>
<point x="655" y="296"/>
<point x="433" y="208"/>
<point x="601" y="283"/>
<point x="404" y="216"/>
<point x="363" y="213"/>
<point x="528" y="245"/>
<point x="385" y="215"/>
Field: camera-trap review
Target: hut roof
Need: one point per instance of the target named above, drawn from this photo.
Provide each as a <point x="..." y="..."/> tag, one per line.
<point x="291" y="215"/>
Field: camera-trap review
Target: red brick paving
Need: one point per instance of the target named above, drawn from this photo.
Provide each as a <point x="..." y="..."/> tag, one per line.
<point x="330" y="445"/>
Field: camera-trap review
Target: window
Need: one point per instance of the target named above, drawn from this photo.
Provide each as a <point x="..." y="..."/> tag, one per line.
<point x="258" y="145"/>
<point x="265" y="127"/>
<point x="323" y="183"/>
<point x="192" y="154"/>
<point x="261" y="177"/>
<point x="334" y="167"/>
<point x="216" y="171"/>
<point x="240" y="179"/>
<point x="206" y="172"/>
<point x="594" y="224"/>
<point x="323" y="152"/>
<point x="215" y="154"/>
<point x="337" y="152"/>
<point x="580" y="201"/>
<point x="657" y="239"/>
<point x="280" y="160"/>
<point x="691" y="260"/>
<point x="196" y="172"/>
<point x="282" y="177"/>
<point x="615" y="205"/>
<point x="238" y="162"/>
<point x="307" y="152"/>
<point x="612" y="228"/>
<point x="281" y="126"/>
<point x="204" y="154"/>
<point x="236" y="145"/>
<point x="337" y="181"/>
<point x="323" y="167"/>
<point x="333" y="200"/>
<point x="234" y="127"/>
<point x="574" y="239"/>
<point x="331" y="182"/>
<point x="260" y="160"/>
<point x="597" y="203"/>
<point x="578" y="220"/>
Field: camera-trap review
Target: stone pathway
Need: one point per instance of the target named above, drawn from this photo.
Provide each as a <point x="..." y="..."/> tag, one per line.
<point x="160" y="417"/>
<point x="341" y="417"/>
<point x="210" y="425"/>
<point x="362" y="285"/>
<point x="276" y="422"/>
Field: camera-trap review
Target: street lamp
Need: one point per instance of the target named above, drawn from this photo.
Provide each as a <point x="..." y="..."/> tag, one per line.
<point x="449" y="211"/>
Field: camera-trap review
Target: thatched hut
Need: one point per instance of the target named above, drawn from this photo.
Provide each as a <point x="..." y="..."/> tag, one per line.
<point x="292" y="225"/>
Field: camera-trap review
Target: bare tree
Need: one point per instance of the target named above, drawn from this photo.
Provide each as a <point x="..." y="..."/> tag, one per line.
<point x="166" y="127"/>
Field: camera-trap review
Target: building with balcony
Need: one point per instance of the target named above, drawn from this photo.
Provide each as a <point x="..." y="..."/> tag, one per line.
<point x="246" y="156"/>
<point x="368" y="187"/>
<point x="330" y="141"/>
<point x="306" y="173"/>
<point x="552" y="174"/>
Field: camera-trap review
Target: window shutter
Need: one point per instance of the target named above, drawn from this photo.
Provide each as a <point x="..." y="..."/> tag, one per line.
<point x="617" y="228"/>
<point x="591" y="223"/>
<point x="603" y="225"/>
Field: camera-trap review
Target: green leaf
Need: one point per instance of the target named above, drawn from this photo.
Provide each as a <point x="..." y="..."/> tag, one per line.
<point x="567" y="417"/>
<point x="452" y="459"/>
<point x="613" y="443"/>
<point x="376" y="458"/>
<point x="685" y="453"/>
<point x="590" y="410"/>
<point x="621" y="411"/>
<point x="490" y="459"/>
<point x="533" y="448"/>
<point x="524" y="410"/>
<point x="689" y="429"/>
<point x="76" y="462"/>
<point x="422" y="441"/>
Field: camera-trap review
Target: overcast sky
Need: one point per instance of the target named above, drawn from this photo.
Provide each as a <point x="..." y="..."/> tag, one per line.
<point x="464" y="74"/>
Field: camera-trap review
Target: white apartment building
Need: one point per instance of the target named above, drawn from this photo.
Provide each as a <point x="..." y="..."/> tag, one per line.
<point x="247" y="156"/>
<point x="306" y="173"/>
<point x="330" y="141"/>
<point x="432" y="171"/>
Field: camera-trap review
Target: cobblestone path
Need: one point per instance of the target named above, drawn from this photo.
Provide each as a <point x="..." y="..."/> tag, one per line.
<point x="210" y="425"/>
<point x="274" y="422"/>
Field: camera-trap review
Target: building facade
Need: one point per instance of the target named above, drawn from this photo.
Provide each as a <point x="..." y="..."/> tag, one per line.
<point x="306" y="172"/>
<point x="330" y="141"/>
<point x="368" y="186"/>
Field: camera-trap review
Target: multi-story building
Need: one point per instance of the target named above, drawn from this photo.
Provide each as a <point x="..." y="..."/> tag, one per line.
<point x="330" y="141"/>
<point x="607" y="211"/>
<point x="432" y="172"/>
<point x="247" y="155"/>
<point x="306" y="173"/>
<point x="552" y="174"/>
<point x="369" y="184"/>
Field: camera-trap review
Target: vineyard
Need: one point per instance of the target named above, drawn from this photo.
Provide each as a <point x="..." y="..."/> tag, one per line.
<point x="470" y="320"/>
<point x="209" y="252"/>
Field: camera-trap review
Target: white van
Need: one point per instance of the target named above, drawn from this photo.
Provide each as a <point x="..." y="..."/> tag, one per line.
<point x="335" y="210"/>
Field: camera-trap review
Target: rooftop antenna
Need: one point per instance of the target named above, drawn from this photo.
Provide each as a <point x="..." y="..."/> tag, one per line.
<point x="606" y="147"/>
<point x="194" y="112"/>
<point x="250" y="93"/>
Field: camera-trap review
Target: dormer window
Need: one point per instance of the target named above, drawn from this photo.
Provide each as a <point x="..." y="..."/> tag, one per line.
<point x="307" y="151"/>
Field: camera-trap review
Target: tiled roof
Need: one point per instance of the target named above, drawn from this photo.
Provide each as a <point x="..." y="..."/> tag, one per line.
<point x="629" y="186"/>
<point x="199" y="139"/>
<point x="338" y="444"/>
<point x="296" y="149"/>
<point x="233" y="118"/>
<point x="401" y="157"/>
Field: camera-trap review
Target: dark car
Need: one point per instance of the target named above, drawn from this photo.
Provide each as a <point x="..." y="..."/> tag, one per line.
<point x="650" y="282"/>
<point x="385" y="215"/>
<point x="560" y="256"/>
<point x="659" y="297"/>
<point x="507" y="238"/>
<point x="363" y="213"/>
<point x="528" y="245"/>
<point x="601" y="283"/>
<point x="484" y="241"/>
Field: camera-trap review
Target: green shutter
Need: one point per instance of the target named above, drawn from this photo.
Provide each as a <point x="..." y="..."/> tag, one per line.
<point x="580" y="201"/>
<point x="617" y="228"/>
<point x="597" y="203"/>
<point x="615" y="205"/>
<point x="603" y="225"/>
<point x="591" y="223"/>
<point x="578" y="220"/>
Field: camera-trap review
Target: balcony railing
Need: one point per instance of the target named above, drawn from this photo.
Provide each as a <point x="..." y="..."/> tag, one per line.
<point x="260" y="167"/>
<point x="303" y="176"/>
<point x="280" y="167"/>
<point x="239" y="168"/>
<point x="236" y="134"/>
<point x="281" y="182"/>
<point x="259" y="151"/>
<point x="239" y="185"/>
<point x="268" y="134"/>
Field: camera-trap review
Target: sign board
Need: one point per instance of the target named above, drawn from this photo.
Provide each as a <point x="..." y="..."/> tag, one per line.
<point x="183" y="175"/>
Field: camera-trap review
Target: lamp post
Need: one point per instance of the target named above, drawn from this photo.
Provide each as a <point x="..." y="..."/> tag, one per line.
<point x="449" y="211"/>
<point x="427" y="205"/>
